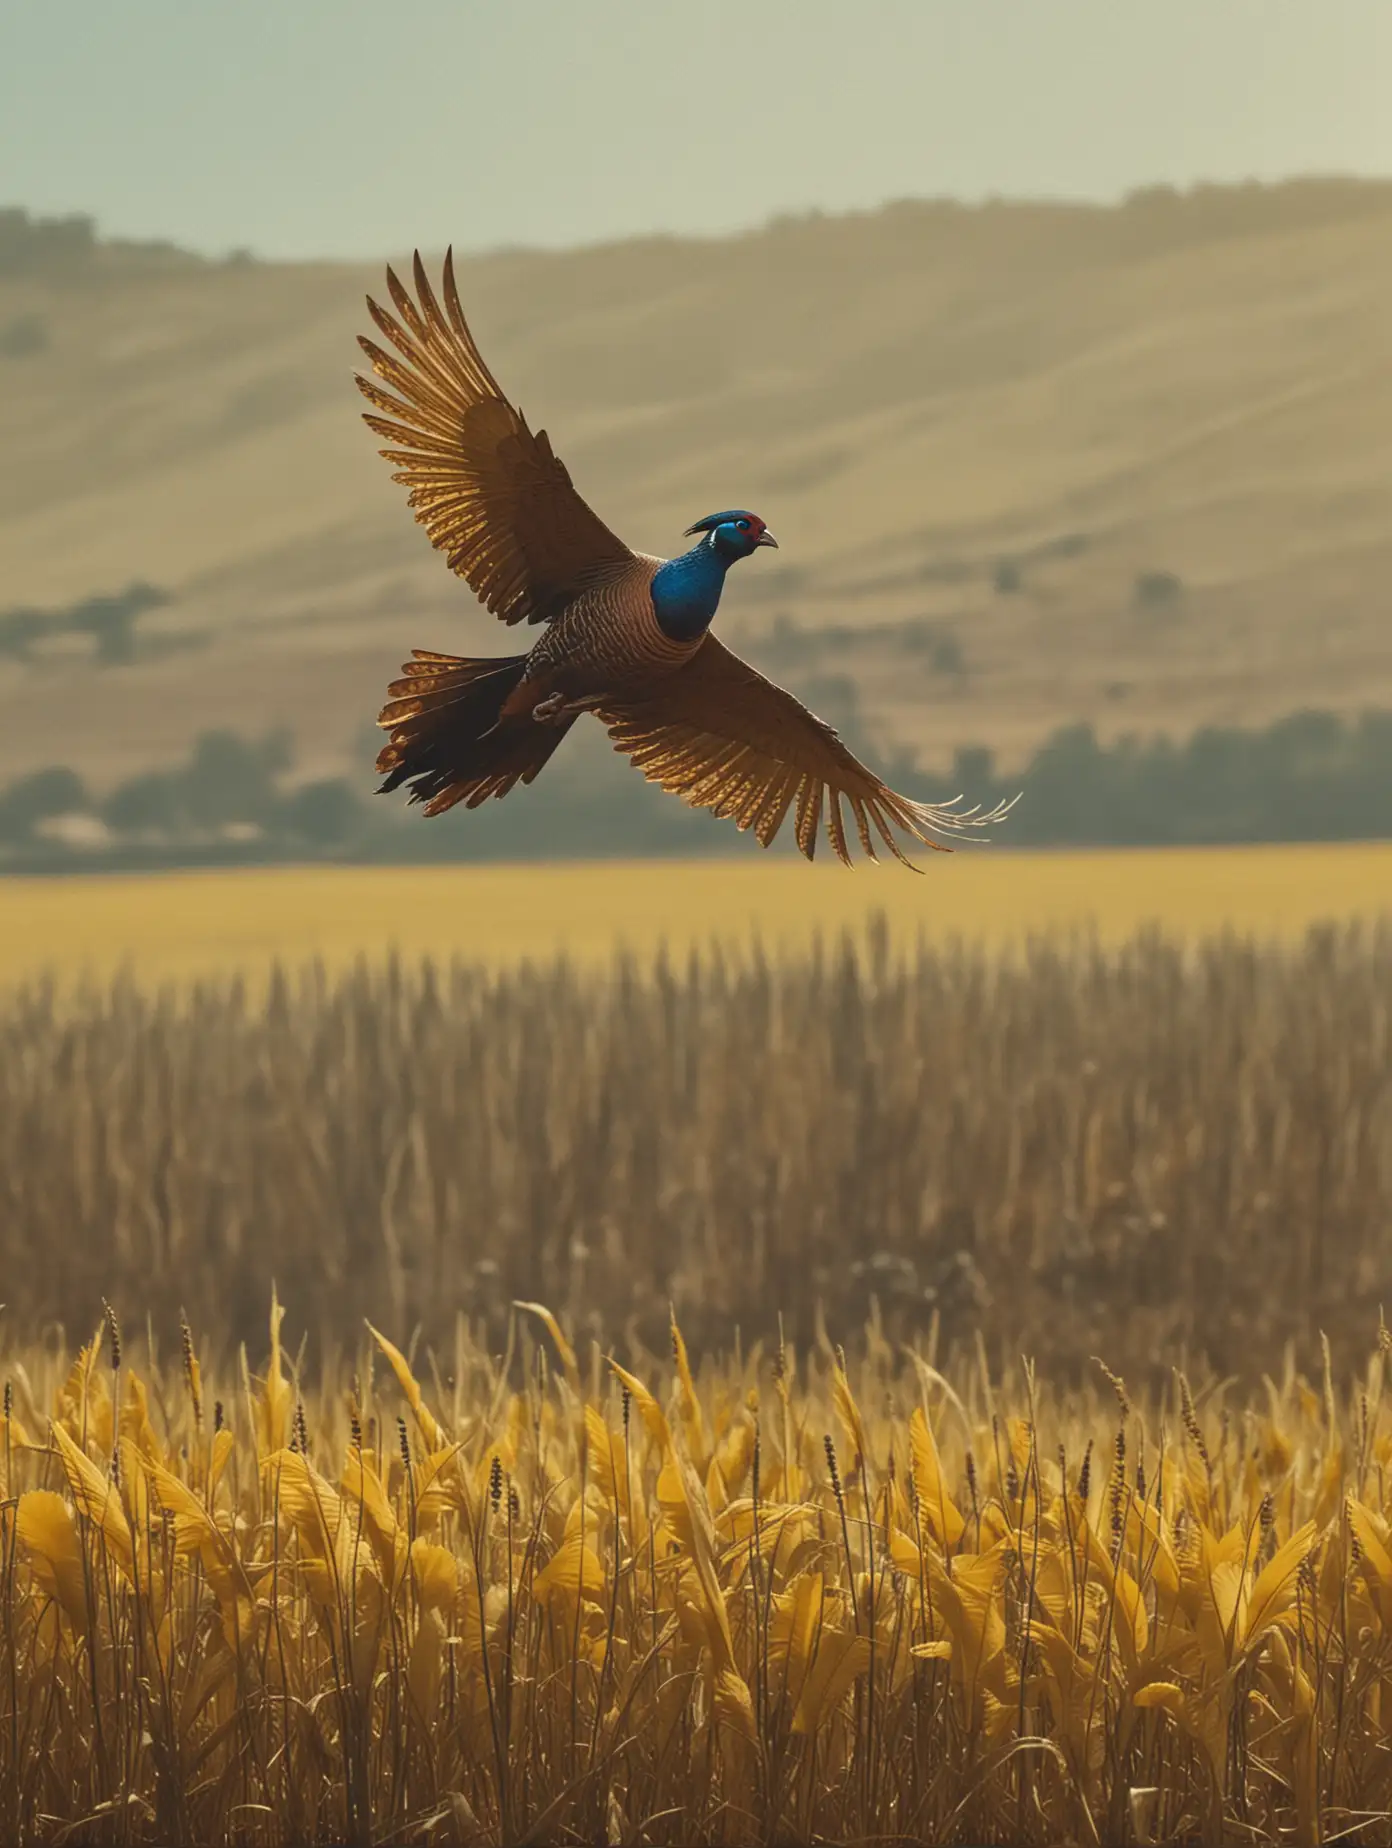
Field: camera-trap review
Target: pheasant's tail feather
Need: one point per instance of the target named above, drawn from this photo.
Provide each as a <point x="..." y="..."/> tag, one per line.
<point x="927" y="822"/>
<point x="447" y="740"/>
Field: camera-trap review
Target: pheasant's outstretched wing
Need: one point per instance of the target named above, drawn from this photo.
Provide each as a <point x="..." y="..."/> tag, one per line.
<point x="494" y="498"/>
<point x="720" y="735"/>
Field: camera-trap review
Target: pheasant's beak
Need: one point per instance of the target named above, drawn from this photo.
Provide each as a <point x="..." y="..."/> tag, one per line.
<point x="766" y="538"/>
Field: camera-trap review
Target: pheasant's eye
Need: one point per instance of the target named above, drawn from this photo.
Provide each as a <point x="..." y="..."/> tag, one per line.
<point x="743" y="525"/>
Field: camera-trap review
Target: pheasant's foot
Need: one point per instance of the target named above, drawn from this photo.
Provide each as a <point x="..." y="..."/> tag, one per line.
<point x="555" y="709"/>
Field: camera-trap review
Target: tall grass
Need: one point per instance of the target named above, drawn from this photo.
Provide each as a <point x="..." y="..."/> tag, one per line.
<point x="1067" y="1152"/>
<point x="541" y="1598"/>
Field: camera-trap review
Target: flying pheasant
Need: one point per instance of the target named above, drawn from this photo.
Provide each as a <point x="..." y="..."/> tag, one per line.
<point x="627" y="636"/>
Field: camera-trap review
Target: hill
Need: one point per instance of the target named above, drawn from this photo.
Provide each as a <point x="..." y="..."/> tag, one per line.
<point x="1027" y="462"/>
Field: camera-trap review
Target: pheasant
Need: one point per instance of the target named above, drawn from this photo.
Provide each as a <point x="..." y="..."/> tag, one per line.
<point x="627" y="637"/>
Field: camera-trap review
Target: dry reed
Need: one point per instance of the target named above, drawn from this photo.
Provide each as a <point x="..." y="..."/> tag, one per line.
<point x="1138" y="1151"/>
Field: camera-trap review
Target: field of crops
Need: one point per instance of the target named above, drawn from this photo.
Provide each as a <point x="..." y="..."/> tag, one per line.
<point x="190" y="924"/>
<point x="873" y="1548"/>
<point x="1143" y="1149"/>
<point x="539" y="1597"/>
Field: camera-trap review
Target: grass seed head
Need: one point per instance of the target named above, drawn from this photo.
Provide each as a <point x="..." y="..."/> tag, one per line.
<point x="192" y="1377"/>
<point x="830" y="1448"/>
<point x="1191" y="1422"/>
<point x="113" y="1330"/>
<point x="1117" y="1384"/>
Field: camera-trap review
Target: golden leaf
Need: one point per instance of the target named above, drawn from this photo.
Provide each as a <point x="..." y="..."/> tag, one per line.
<point x="557" y="1334"/>
<point x="651" y="1412"/>
<point x="98" y="1498"/>
<point x="274" y="1405"/>
<point x="936" y="1507"/>
<point x="435" y="1438"/>
<point x="45" y="1527"/>
<point x="437" y="1576"/>
<point x="573" y="1569"/>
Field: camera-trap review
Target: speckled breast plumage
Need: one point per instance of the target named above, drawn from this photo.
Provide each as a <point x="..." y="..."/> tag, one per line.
<point x="608" y="639"/>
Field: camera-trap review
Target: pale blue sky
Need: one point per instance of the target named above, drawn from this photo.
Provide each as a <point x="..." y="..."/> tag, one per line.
<point x="335" y="127"/>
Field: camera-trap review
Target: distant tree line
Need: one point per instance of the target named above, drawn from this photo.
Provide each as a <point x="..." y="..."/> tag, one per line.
<point x="1312" y="776"/>
<point x="236" y="800"/>
<point x="34" y="245"/>
<point x="31" y="243"/>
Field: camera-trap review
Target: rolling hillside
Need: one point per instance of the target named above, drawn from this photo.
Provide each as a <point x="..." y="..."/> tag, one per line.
<point x="1026" y="463"/>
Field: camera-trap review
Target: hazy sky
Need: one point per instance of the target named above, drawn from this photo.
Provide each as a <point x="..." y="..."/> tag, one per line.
<point x="335" y="127"/>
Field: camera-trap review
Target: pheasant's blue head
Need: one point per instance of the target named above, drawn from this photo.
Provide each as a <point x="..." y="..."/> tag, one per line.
<point x="734" y="534"/>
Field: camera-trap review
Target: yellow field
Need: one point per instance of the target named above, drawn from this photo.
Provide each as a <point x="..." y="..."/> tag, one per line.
<point x="809" y="1600"/>
<point x="178" y="926"/>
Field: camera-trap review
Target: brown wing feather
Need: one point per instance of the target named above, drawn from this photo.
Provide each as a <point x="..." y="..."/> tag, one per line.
<point x="720" y="735"/>
<point x="494" y="498"/>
